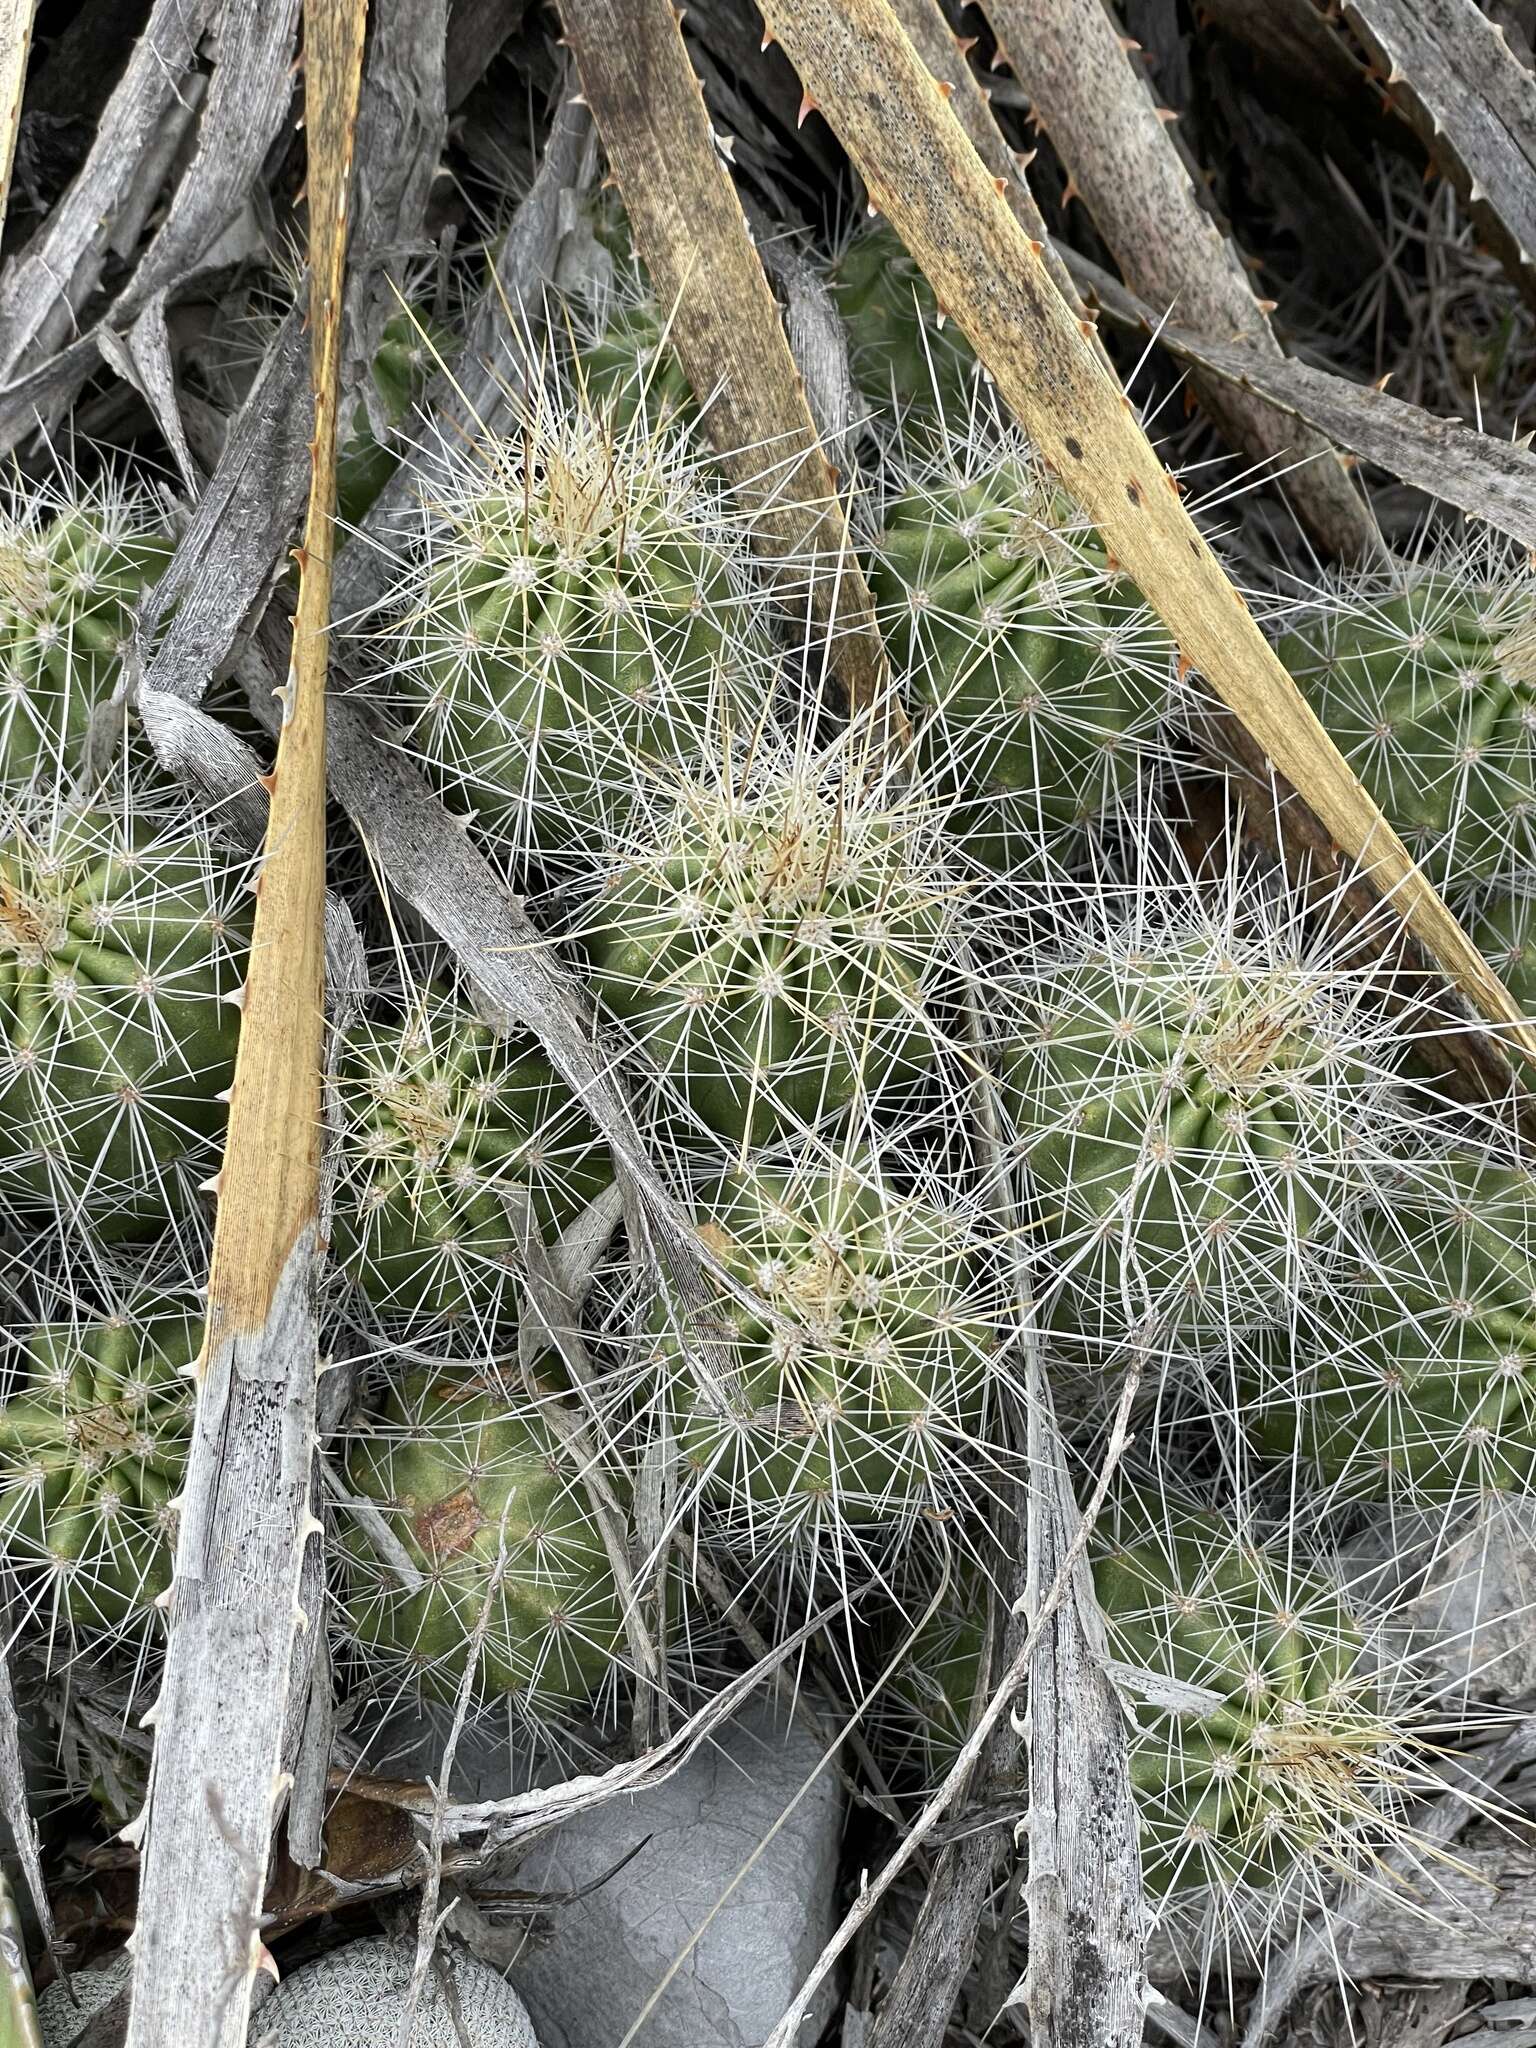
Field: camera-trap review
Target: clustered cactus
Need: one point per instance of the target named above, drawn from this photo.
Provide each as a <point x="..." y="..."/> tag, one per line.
<point x="853" y="1368"/>
<point x="574" y="632"/>
<point x="1037" y="671"/>
<point x="940" y="1051"/>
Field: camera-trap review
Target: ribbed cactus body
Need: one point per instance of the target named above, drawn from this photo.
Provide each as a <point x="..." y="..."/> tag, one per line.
<point x="120" y="945"/>
<point x="93" y="1440"/>
<point x="1429" y="689"/>
<point x="1189" y="1121"/>
<point x="469" y="1482"/>
<point x="443" y="1122"/>
<point x="402" y="368"/>
<point x="1260" y="1740"/>
<point x="1037" y="673"/>
<point x="1414" y="1377"/>
<point x="630" y="371"/>
<point x="1278" y="1769"/>
<point x="773" y="956"/>
<point x="68" y="589"/>
<point x="855" y="1369"/>
<point x="906" y="361"/>
<point x="1503" y="929"/>
<point x="573" y="631"/>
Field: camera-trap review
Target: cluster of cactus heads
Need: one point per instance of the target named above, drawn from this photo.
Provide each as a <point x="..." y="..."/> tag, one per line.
<point x="1195" y="1140"/>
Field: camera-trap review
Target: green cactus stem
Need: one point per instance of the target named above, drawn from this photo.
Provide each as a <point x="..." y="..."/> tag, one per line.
<point x="858" y="1361"/>
<point x="441" y="1122"/>
<point x="93" y="1439"/>
<point x="473" y="1490"/>
<point x="1037" y="674"/>
<point x="122" y="945"/>
<point x="774" y="955"/>
<point x="69" y="585"/>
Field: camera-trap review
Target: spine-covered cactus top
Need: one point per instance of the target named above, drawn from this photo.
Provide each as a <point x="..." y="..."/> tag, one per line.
<point x="1192" y="1108"/>
<point x="94" y="1419"/>
<point x="444" y="1126"/>
<point x="1265" y="1754"/>
<point x="70" y="579"/>
<point x="847" y="1380"/>
<point x="1427" y="681"/>
<point x="495" y="1527"/>
<point x="574" y="629"/>
<point x="774" y="954"/>
<point x="122" y="944"/>
<point x="1414" y="1375"/>
<point x="1037" y="672"/>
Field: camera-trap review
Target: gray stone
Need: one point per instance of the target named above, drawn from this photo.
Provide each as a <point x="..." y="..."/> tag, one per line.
<point x="351" y="1997"/>
<point x="354" y="1997"/>
<point x="609" y="1952"/>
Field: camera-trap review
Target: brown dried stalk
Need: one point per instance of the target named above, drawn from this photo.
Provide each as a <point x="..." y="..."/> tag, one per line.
<point x="1113" y="139"/>
<point x="216" y="1781"/>
<point x="691" y="232"/>
<point x="892" y="118"/>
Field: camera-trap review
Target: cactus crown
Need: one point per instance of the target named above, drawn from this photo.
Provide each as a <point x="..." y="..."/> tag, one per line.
<point x="1201" y="1097"/>
<point x="854" y="1368"/>
<point x="121" y="937"/>
<point x="774" y="951"/>
<point x="574" y="624"/>
<point x="443" y="1123"/>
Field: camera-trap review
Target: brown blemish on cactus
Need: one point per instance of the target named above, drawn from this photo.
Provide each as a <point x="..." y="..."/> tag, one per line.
<point x="1133" y="492"/>
<point x="447" y="1528"/>
<point x="1074" y="447"/>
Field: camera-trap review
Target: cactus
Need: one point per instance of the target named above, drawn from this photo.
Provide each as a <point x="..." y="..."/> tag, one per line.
<point x="469" y="1482"/>
<point x="855" y="1364"/>
<point x="94" y="1425"/>
<point x="1428" y="685"/>
<point x="71" y="574"/>
<point x="121" y="945"/>
<point x="1037" y="672"/>
<point x="1265" y="1751"/>
<point x="1503" y="928"/>
<point x="401" y="369"/>
<point x="773" y="954"/>
<point x="906" y="361"/>
<point x="441" y="1120"/>
<point x="575" y="627"/>
<point x="1192" y="1100"/>
<point x="630" y="374"/>
<point x="1413" y="1377"/>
